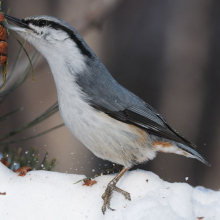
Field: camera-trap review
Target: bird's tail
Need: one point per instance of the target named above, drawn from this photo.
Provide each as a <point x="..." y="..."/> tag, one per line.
<point x="193" y="154"/>
<point x="177" y="148"/>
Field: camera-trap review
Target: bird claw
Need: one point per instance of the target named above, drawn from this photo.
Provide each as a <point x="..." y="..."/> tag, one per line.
<point x="124" y="193"/>
<point x="107" y="195"/>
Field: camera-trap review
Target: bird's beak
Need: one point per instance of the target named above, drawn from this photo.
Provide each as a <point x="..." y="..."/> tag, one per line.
<point x="17" y="21"/>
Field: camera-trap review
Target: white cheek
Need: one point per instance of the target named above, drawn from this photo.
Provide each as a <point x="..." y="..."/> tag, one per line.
<point x="63" y="52"/>
<point x="56" y="35"/>
<point x="24" y="35"/>
<point x="36" y="29"/>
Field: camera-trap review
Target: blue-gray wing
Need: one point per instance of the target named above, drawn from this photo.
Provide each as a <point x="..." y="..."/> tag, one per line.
<point x="106" y="95"/>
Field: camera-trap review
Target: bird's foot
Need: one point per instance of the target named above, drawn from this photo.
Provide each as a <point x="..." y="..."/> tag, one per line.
<point x="107" y="195"/>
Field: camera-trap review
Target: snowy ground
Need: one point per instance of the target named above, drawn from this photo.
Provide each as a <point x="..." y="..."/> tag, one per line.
<point x="50" y="195"/>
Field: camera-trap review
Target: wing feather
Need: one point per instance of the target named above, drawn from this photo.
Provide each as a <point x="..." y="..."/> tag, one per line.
<point x="147" y="124"/>
<point x="107" y="96"/>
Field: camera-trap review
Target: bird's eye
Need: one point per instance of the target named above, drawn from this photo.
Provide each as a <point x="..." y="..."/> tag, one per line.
<point x="42" y="23"/>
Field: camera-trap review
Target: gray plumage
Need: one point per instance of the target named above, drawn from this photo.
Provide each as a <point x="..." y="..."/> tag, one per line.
<point x="111" y="121"/>
<point x="102" y="91"/>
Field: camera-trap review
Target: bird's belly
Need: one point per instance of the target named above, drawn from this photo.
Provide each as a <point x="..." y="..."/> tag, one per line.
<point x="108" y="138"/>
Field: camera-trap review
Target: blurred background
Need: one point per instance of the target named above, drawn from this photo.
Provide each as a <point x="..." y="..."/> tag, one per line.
<point x="167" y="52"/>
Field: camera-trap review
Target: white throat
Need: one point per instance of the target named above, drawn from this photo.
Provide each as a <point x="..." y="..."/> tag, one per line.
<point x="71" y="99"/>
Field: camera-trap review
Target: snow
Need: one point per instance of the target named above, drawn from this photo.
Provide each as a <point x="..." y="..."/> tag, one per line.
<point x="51" y="195"/>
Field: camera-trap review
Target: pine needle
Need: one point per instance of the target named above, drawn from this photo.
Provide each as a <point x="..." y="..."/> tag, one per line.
<point x="87" y="178"/>
<point x="32" y="69"/>
<point x="31" y="137"/>
<point x="15" y="63"/>
<point x="46" y="114"/>
<point x="17" y="158"/>
<point x="20" y="81"/>
<point x="4" y="117"/>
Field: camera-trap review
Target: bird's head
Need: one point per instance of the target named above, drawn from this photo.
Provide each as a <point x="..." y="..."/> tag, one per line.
<point x="52" y="37"/>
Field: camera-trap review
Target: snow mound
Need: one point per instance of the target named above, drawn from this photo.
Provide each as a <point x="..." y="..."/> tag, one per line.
<point x="52" y="195"/>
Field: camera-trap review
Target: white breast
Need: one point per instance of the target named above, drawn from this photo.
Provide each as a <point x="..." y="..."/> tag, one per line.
<point x="106" y="137"/>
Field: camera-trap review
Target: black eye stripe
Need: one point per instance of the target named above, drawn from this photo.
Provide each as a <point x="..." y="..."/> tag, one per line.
<point x="58" y="26"/>
<point x="42" y="23"/>
<point x="39" y="23"/>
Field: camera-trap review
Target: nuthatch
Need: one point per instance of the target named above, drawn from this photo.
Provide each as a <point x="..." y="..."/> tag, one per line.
<point x="111" y="121"/>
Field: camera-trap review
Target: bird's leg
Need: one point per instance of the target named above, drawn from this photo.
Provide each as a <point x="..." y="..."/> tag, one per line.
<point x="115" y="168"/>
<point x="107" y="195"/>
